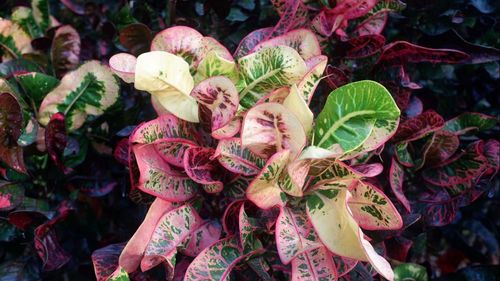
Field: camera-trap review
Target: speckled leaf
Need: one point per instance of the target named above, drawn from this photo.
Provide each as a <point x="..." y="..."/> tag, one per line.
<point x="165" y="126"/>
<point x="105" y="261"/>
<point x="403" y="155"/>
<point x="203" y="169"/>
<point x="466" y="168"/>
<point x="172" y="150"/>
<point x="470" y="122"/>
<point x="371" y="208"/>
<point x="304" y="41"/>
<point x="65" y="50"/>
<point x="131" y="256"/>
<point x="344" y="265"/>
<point x="11" y="195"/>
<point x="237" y="159"/>
<point x="213" y="64"/>
<point x="251" y="40"/>
<point x="314" y="265"/>
<point x="37" y="85"/>
<point x="158" y="179"/>
<point x="170" y="231"/>
<point x="307" y="85"/>
<point x="208" y="233"/>
<point x="246" y="228"/>
<point x="181" y="41"/>
<point x="218" y="102"/>
<point x="293" y="14"/>
<point x="88" y="90"/>
<point x="350" y="113"/>
<point x="443" y="145"/>
<point x="263" y="191"/>
<point x="167" y="77"/>
<point x="230" y="130"/>
<point x="268" y="69"/>
<point x="123" y="65"/>
<point x="417" y="127"/>
<point x="270" y="127"/>
<point x="11" y="119"/>
<point x="216" y="262"/>
<point x="14" y="41"/>
<point x="329" y="214"/>
<point x="374" y="24"/>
<point x="396" y="180"/>
<point x="294" y="234"/>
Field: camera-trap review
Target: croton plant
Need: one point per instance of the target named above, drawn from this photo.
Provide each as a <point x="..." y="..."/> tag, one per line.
<point x="243" y="173"/>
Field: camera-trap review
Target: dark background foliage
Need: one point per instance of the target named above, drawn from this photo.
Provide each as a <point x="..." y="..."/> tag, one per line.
<point x="105" y="213"/>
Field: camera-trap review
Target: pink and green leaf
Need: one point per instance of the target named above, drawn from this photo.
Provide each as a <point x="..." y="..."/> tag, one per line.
<point x="304" y="41"/>
<point x="374" y="24"/>
<point x="203" y="169"/>
<point x="294" y="234"/>
<point x="293" y="14"/>
<point x="396" y="180"/>
<point x="123" y="65"/>
<point x="170" y="231"/>
<point x="172" y="150"/>
<point x="248" y="241"/>
<point x="165" y="126"/>
<point x="417" y="127"/>
<point x="182" y="41"/>
<point x="159" y="179"/>
<point x="443" y="145"/>
<point x="307" y="85"/>
<point x="313" y="265"/>
<point x="269" y="128"/>
<point x="230" y="130"/>
<point x="105" y="261"/>
<point x="251" y="40"/>
<point x="207" y="233"/>
<point x="11" y="195"/>
<point x="491" y="151"/>
<point x="469" y="122"/>
<point x="237" y="159"/>
<point x="364" y="46"/>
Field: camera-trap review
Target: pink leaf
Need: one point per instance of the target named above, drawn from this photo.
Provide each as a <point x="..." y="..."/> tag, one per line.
<point x="304" y="41"/>
<point x="374" y="24"/>
<point x="418" y="127"/>
<point x="120" y="153"/>
<point x="364" y="46"/>
<point x="165" y="126"/>
<point x="203" y="169"/>
<point x="335" y="77"/>
<point x="230" y="130"/>
<point x="396" y="179"/>
<point x="48" y="248"/>
<point x="123" y="65"/>
<point x="316" y="264"/>
<point x="172" y="150"/>
<point x="105" y="261"/>
<point x="491" y="151"/>
<point x="237" y="159"/>
<point x="252" y="40"/>
<point x="208" y="233"/>
<point x="183" y="41"/>
<point x="293" y="15"/>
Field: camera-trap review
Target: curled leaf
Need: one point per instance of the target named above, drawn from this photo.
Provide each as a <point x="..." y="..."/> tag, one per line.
<point x="65" y="50"/>
<point x="123" y="65"/>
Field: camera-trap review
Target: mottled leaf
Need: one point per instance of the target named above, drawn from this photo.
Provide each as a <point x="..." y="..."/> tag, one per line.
<point x="10" y="130"/>
<point x="364" y="46"/>
<point x="11" y="195"/>
<point x="181" y="41"/>
<point x="251" y="40"/>
<point x="396" y="180"/>
<point x="65" y="50"/>
<point x="231" y="154"/>
<point x="208" y="233"/>
<point x="166" y="126"/>
<point x="307" y="85"/>
<point x="37" y="85"/>
<point x="470" y="122"/>
<point x="374" y="24"/>
<point x="313" y="265"/>
<point x="418" y="127"/>
<point x="56" y="140"/>
<point x="203" y="169"/>
<point x="304" y="41"/>
<point x="105" y="261"/>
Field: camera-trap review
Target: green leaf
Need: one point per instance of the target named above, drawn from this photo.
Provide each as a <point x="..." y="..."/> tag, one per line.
<point x="13" y="40"/>
<point x="41" y="13"/>
<point x="470" y="121"/>
<point x="410" y="272"/>
<point x="350" y="114"/>
<point x="266" y="70"/>
<point x="23" y="16"/>
<point x="37" y="85"/>
<point x="89" y="90"/>
<point x="119" y="275"/>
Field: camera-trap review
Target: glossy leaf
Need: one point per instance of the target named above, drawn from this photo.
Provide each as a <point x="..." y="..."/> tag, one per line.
<point x="181" y="41"/>
<point x="123" y="65"/>
<point x="11" y="195"/>
<point x="268" y="69"/>
<point x="37" y="85"/>
<point x="410" y="271"/>
<point x="86" y="91"/>
<point x="263" y="191"/>
<point x="166" y="126"/>
<point x="171" y="229"/>
<point x="350" y="113"/>
<point x="65" y="50"/>
<point x="417" y="127"/>
<point x="294" y="234"/>
<point x="470" y="122"/>
<point x="136" y="37"/>
<point x="396" y="180"/>
<point x="307" y="85"/>
<point x="10" y="130"/>
<point x="14" y="41"/>
<point x="316" y="264"/>
<point x="158" y="179"/>
<point x="201" y="168"/>
<point x="207" y="234"/>
<point x="269" y="128"/>
<point x="251" y="40"/>
<point x="56" y="140"/>
<point x="214" y="64"/>
<point x="443" y="145"/>
<point x="231" y="154"/>
<point x="218" y="102"/>
<point x="172" y="150"/>
<point x="41" y="13"/>
<point x="304" y="41"/>
<point x="171" y="86"/>
<point x="297" y="105"/>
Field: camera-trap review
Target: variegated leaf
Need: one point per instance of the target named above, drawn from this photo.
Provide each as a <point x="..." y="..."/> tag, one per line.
<point x="266" y="70"/>
<point x="396" y="180"/>
<point x="14" y="41"/>
<point x="41" y="13"/>
<point x="216" y="262"/>
<point x="314" y="265"/>
<point x="263" y="191"/>
<point x="23" y="16"/>
<point x="165" y="126"/>
<point x="350" y="113"/>
<point x="403" y="155"/>
<point x="269" y="128"/>
<point x="344" y="265"/>
<point x="231" y="154"/>
<point x="441" y="147"/>
<point x="172" y="150"/>
<point x="374" y="24"/>
<point x="170" y="231"/>
<point x="251" y="40"/>
<point x="418" y="127"/>
<point x="329" y="214"/>
<point x="181" y="41"/>
<point x="303" y="40"/>
<point x="371" y="208"/>
<point x="307" y="85"/>
<point x="131" y="256"/>
<point x="470" y="121"/>
<point x="203" y="169"/>
<point x="88" y="90"/>
<point x="213" y="64"/>
<point x="230" y="130"/>
<point x="218" y="102"/>
<point x="167" y="78"/>
<point x="296" y="104"/>
<point x="294" y="234"/>
<point x="123" y="65"/>
<point x="105" y="261"/>
<point x="158" y="179"/>
<point x="65" y="50"/>
<point x="491" y="151"/>
<point x="119" y="275"/>
<point x="248" y="241"/>
<point x="11" y="195"/>
<point x="207" y="233"/>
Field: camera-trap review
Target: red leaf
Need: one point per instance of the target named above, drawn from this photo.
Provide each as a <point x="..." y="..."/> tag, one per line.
<point x="351" y="9"/>
<point x="364" y="46"/>
<point x="398" y="248"/>
<point x="56" y="140"/>
<point x="443" y="145"/>
<point x="491" y="151"/>
<point x="439" y="209"/>
<point x="293" y="15"/>
<point x="48" y="248"/>
<point x="402" y="52"/>
<point x="201" y="168"/>
<point x="374" y="24"/>
<point x="418" y="127"/>
<point x="10" y="130"/>
<point x="336" y="77"/>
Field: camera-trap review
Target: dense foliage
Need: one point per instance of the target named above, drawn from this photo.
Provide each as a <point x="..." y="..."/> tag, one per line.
<point x="130" y="136"/>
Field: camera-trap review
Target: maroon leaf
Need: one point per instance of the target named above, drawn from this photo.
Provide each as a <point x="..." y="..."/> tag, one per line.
<point x="396" y="179"/>
<point x="398" y="248"/>
<point x="65" y="50"/>
<point x="121" y="151"/>
<point x="336" y="77"/>
<point x="105" y="260"/>
<point x="401" y="95"/>
<point x="491" y="151"/>
<point x="443" y="145"/>
<point x="351" y="9"/>
<point x="374" y="24"/>
<point x="56" y="140"/>
<point x="293" y="15"/>
<point x="364" y="46"/>
<point x="10" y="130"/>
<point x="201" y="168"/>
<point x="402" y="52"/>
<point x="418" y="127"/>
<point x="136" y="38"/>
<point x="438" y="209"/>
<point x="48" y="248"/>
